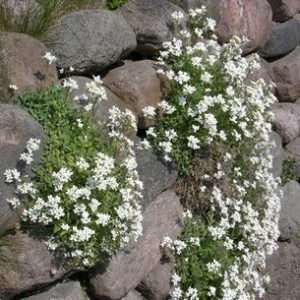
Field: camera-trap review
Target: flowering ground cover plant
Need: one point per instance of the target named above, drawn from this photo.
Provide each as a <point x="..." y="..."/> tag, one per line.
<point x="86" y="191"/>
<point x="215" y="126"/>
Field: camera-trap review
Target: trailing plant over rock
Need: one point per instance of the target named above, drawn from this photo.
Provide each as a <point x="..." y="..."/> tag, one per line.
<point x="86" y="191"/>
<point x="213" y="105"/>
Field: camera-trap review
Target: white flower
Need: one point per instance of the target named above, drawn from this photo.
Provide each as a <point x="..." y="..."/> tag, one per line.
<point x="79" y="123"/>
<point x="176" y="293"/>
<point x="51" y="245"/>
<point x="96" y="89"/>
<point x="149" y="111"/>
<point x="144" y="144"/>
<point x="82" y="235"/>
<point x="197" y="61"/>
<point x="61" y="177"/>
<point x="14" y="202"/>
<point x="70" y="83"/>
<point x="189" y="89"/>
<point x="179" y="246"/>
<point x="12" y="175"/>
<point x="94" y="204"/>
<point x="230" y="91"/>
<point x="167" y="242"/>
<point x="187" y="214"/>
<point x="206" y="77"/>
<point x="211" y="24"/>
<point x="27" y="158"/>
<point x="102" y="219"/>
<point x="65" y="227"/>
<point x="195" y="241"/>
<point x="50" y="58"/>
<point x="166" y="146"/>
<point x="166" y="107"/>
<point x="192" y="294"/>
<point x="214" y="266"/>
<point x="177" y="15"/>
<point x="193" y="142"/>
<point x="212" y="291"/>
<point x="88" y="107"/>
<point x="82" y="164"/>
<point x="175" y="279"/>
<point x="26" y="188"/>
<point x="182" y="77"/>
<point x="13" y="87"/>
<point x="32" y="146"/>
<point x="130" y="163"/>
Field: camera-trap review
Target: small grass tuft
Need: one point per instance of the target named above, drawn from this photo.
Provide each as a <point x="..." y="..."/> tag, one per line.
<point x="114" y="4"/>
<point x="288" y="171"/>
<point x="35" y="20"/>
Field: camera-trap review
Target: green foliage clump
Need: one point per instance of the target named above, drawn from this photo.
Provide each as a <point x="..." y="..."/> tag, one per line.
<point x="85" y="190"/>
<point x="114" y="4"/>
<point x="200" y="252"/>
<point x="288" y="171"/>
<point x="65" y="140"/>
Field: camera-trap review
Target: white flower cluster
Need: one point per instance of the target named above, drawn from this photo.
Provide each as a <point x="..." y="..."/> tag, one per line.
<point x="119" y="123"/>
<point x="50" y="58"/>
<point x="15" y="176"/>
<point x="70" y="83"/>
<point x="32" y="146"/>
<point x="92" y="203"/>
<point x="95" y="92"/>
<point x="230" y="110"/>
<point x="96" y="89"/>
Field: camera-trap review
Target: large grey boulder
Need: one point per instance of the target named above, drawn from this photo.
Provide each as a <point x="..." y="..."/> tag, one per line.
<point x="250" y="19"/>
<point x="26" y="264"/>
<point x="152" y="22"/>
<point x="293" y="149"/>
<point x="263" y="72"/>
<point x="16" y="128"/>
<point x="278" y="154"/>
<point x="133" y="295"/>
<point x="286" y="120"/>
<point x="127" y="269"/>
<point x="286" y="76"/>
<point x="157" y="284"/>
<point x="289" y="224"/>
<point x="66" y="291"/>
<point x="284" y="39"/>
<point x="90" y="40"/>
<point x="137" y="84"/>
<point x="23" y="66"/>
<point x="284" y="9"/>
<point x="283" y="268"/>
<point x="154" y="173"/>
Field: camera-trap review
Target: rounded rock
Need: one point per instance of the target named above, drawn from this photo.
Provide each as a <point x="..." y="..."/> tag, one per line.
<point x="16" y="128"/>
<point x="90" y="40"/>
